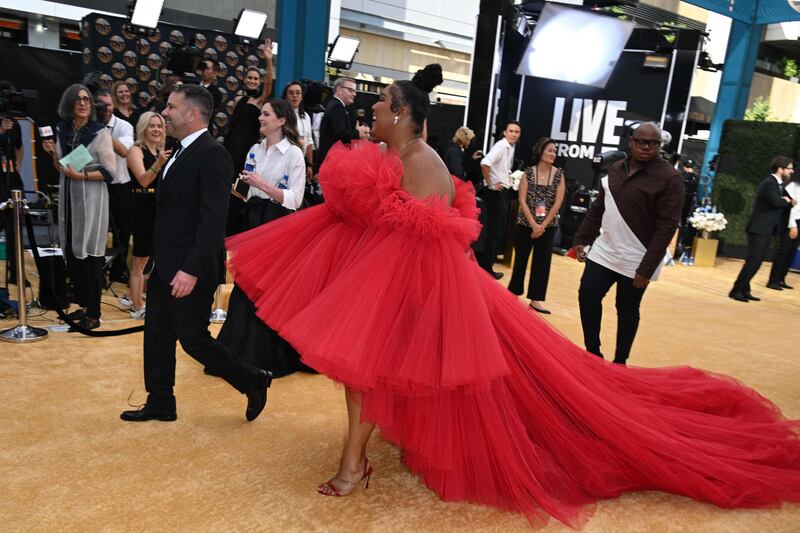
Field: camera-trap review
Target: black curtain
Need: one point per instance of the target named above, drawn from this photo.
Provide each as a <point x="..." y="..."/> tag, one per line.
<point x="48" y="72"/>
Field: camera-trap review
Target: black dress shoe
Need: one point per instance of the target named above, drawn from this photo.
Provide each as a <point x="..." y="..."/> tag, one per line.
<point x="774" y="286"/>
<point x="257" y="398"/>
<point x="785" y="285"/>
<point x="497" y="275"/>
<point x="76" y="315"/>
<point x="738" y="296"/>
<point x="208" y="371"/>
<point x="752" y="298"/>
<point x="541" y="310"/>
<point x="85" y="323"/>
<point x="146" y="413"/>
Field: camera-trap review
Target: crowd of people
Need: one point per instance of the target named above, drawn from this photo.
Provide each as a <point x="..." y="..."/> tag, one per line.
<point x="416" y="329"/>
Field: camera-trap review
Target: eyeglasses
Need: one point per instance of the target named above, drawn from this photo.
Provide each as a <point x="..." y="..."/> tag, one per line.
<point x="83" y="100"/>
<point x="351" y="89"/>
<point x="641" y="143"/>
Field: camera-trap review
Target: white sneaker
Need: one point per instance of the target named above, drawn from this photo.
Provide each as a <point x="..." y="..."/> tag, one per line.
<point x="125" y="302"/>
<point x="138" y="315"/>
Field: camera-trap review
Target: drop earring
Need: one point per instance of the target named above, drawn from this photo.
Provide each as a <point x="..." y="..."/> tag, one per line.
<point x="396" y="119"/>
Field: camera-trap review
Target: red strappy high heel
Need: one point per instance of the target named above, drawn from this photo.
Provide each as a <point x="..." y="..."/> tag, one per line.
<point x="328" y="488"/>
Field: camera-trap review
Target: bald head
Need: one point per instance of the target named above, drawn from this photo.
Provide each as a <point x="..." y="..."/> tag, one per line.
<point x="645" y="142"/>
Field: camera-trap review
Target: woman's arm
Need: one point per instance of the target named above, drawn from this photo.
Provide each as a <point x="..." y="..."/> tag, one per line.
<point x="522" y="196"/>
<point x="269" y="76"/>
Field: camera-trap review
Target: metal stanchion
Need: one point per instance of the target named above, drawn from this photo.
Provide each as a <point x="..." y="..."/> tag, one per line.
<point x="23" y="332"/>
<point x="218" y="315"/>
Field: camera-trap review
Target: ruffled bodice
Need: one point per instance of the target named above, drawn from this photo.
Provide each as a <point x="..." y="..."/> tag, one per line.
<point x="363" y="186"/>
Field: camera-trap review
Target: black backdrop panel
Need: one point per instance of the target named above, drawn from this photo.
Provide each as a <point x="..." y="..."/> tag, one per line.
<point x="48" y="72"/>
<point x="142" y="61"/>
<point x="635" y="93"/>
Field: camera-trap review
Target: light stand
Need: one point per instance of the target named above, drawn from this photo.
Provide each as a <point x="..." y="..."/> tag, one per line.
<point x="23" y="332"/>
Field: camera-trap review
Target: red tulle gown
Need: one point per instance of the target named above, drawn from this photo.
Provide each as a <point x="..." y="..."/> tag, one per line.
<point x="489" y="403"/>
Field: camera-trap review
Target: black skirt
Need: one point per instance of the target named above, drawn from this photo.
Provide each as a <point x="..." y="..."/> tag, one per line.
<point x="246" y="334"/>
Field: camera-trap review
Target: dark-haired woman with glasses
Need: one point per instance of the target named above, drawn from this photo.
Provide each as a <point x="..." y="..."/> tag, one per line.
<point x="83" y="200"/>
<point x="541" y="194"/>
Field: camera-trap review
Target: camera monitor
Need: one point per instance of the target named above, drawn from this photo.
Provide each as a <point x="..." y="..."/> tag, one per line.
<point x="575" y="46"/>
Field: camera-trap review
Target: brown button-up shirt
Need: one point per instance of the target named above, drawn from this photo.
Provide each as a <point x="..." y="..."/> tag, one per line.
<point x="650" y="201"/>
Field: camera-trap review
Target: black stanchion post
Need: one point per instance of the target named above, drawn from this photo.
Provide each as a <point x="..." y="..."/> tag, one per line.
<point x="23" y="332"/>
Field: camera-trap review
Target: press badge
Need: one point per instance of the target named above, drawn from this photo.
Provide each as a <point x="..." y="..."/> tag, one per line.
<point x="540" y="210"/>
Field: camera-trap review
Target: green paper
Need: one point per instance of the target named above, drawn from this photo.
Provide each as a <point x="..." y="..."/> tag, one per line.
<point x="77" y="159"/>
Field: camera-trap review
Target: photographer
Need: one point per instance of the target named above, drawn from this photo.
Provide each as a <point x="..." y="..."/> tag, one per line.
<point x="83" y="201"/>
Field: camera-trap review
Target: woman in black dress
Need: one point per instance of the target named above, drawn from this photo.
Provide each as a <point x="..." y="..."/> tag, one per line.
<point x="541" y="194"/>
<point x="146" y="158"/>
<point x="243" y="127"/>
<point x="122" y="94"/>
<point x="454" y="157"/>
<point x="276" y="189"/>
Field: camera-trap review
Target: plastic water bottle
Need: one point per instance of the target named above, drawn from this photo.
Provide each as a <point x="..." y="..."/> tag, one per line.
<point x="250" y="164"/>
<point x="284" y="183"/>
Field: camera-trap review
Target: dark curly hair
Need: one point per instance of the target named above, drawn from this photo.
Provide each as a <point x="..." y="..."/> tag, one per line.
<point x="414" y="94"/>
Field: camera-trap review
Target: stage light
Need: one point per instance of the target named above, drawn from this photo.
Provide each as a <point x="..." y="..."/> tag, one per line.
<point x="343" y="51"/>
<point x="575" y="46"/>
<point x="250" y="24"/>
<point x="146" y="13"/>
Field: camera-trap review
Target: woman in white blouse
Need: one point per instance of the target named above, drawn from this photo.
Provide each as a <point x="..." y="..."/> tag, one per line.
<point x="276" y="189"/>
<point x="293" y="93"/>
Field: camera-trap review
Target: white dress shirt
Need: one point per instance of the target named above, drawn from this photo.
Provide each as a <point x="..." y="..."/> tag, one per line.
<point x="185" y="142"/>
<point x="793" y="190"/>
<point x="500" y="160"/>
<point x="122" y="131"/>
<point x="304" y="129"/>
<point x="273" y="162"/>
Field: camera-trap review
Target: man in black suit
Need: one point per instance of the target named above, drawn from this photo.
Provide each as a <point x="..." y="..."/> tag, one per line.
<point x="337" y="124"/>
<point x="191" y="204"/>
<point x="208" y="79"/>
<point x="769" y="209"/>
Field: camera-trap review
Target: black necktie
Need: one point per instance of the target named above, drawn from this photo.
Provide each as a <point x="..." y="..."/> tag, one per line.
<point x="174" y="160"/>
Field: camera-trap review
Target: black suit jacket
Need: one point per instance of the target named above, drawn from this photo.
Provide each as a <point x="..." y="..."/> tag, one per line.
<point x="191" y="209"/>
<point x="336" y="125"/>
<point x="216" y="95"/>
<point x="769" y="208"/>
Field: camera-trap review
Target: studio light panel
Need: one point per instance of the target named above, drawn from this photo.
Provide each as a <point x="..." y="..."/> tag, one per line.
<point x="575" y="46"/>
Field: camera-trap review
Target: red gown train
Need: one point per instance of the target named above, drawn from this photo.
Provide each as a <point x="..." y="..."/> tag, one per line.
<point x="490" y="403"/>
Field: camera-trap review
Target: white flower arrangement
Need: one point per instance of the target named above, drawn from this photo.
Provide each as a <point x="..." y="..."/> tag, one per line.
<point x="516" y="176"/>
<point x="707" y="222"/>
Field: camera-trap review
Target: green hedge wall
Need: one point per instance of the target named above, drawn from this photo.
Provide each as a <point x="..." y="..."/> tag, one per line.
<point x="753" y="145"/>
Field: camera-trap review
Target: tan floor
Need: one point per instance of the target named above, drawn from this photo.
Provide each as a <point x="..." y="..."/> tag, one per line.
<point x="68" y="462"/>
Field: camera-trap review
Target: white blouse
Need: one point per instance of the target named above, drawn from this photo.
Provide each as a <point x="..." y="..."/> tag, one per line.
<point x="304" y="129"/>
<point x="277" y="164"/>
<point x="793" y="189"/>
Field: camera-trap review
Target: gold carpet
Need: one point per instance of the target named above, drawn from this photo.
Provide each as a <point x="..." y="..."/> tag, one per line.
<point x="69" y="464"/>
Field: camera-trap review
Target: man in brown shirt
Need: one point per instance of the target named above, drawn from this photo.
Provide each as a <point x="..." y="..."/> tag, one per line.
<point x="628" y="226"/>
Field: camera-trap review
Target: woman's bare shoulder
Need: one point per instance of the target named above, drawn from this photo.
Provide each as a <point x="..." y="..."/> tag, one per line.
<point x="425" y="174"/>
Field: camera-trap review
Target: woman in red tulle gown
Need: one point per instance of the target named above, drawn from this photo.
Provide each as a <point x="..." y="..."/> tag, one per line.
<point x="376" y="288"/>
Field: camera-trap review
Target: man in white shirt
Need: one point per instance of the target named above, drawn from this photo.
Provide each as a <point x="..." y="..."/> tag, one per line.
<point x="119" y="190"/>
<point x="496" y="169"/>
<point x="787" y="247"/>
